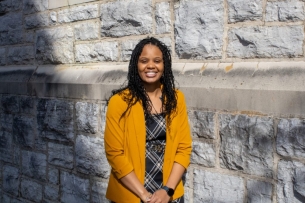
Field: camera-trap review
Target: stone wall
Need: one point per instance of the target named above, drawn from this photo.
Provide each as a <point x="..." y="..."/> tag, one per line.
<point x="240" y="64"/>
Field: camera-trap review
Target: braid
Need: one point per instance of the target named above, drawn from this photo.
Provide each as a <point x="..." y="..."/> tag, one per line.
<point x="136" y="89"/>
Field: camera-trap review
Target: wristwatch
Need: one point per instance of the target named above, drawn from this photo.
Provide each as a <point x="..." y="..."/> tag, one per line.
<point x="170" y="191"/>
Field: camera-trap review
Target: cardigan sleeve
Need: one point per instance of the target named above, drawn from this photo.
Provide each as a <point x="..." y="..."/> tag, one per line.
<point x="114" y="138"/>
<point x="184" y="149"/>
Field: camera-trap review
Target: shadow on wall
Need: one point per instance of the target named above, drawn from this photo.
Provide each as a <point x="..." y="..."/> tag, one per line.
<point x="50" y="149"/>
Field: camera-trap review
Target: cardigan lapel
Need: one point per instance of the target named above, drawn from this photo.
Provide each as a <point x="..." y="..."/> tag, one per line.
<point x="140" y="129"/>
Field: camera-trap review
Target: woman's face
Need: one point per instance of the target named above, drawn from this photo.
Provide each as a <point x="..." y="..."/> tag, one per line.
<point x="150" y="65"/>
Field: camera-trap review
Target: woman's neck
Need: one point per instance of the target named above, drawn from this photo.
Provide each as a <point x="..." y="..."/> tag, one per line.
<point x="153" y="90"/>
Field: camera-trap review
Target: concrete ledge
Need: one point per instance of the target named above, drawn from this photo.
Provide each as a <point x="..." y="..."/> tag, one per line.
<point x="269" y="88"/>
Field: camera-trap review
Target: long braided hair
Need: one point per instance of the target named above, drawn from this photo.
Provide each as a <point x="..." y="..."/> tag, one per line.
<point x="135" y="86"/>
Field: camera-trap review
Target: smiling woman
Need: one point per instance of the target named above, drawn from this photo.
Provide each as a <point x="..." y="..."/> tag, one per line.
<point x="147" y="135"/>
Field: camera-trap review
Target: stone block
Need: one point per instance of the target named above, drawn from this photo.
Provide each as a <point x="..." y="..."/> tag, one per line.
<point x="24" y="131"/>
<point x="285" y="11"/>
<point x="265" y="42"/>
<point x="33" y="6"/>
<point x="22" y="55"/>
<point x="36" y="20"/>
<point x="86" y="31"/>
<point x="5" y="146"/>
<point x="57" y="3"/>
<point x="72" y="2"/>
<point x="19" y="200"/>
<point x="163" y="18"/>
<point x="216" y="187"/>
<point x="291" y="138"/>
<point x="60" y="155"/>
<point x="87" y="117"/>
<point x="51" y="192"/>
<point x="98" y="192"/>
<point x="55" y="45"/>
<point x="9" y="5"/>
<point x="124" y="18"/>
<point x="27" y="105"/>
<point x="55" y="119"/>
<point x="11" y="29"/>
<point x="246" y="144"/>
<point x="6" y="122"/>
<point x="103" y="118"/>
<point x="78" y="13"/>
<point x="127" y="48"/>
<point x="10" y="104"/>
<point x="102" y="51"/>
<point x="199" y="29"/>
<point x="11" y="177"/>
<point x="259" y="191"/>
<point x="2" y="56"/>
<point x="29" y="37"/>
<point x="203" y="154"/>
<point x="31" y="190"/>
<point x="74" y="188"/>
<point x="53" y="18"/>
<point x="53" y="176"/>
<point x="202" y="124"/>
<point x="245" y="10"/>
<point x="16" y="160"/>
<point x="291" y="182"/>
<point x="34" y="165"/>
<point x="5" y="198"/>
<point x="90" y="156"/>
<point x="40" y="143"/>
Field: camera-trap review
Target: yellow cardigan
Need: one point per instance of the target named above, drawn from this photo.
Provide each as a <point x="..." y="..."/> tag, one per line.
<point x="125" y="146"/>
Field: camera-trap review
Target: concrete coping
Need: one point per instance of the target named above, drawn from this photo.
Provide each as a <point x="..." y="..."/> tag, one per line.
<point x="269" y="88"/>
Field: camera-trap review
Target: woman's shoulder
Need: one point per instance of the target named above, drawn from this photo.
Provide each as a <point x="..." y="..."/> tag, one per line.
<point x="118" y="100"/>
<point x="180" y="95"/>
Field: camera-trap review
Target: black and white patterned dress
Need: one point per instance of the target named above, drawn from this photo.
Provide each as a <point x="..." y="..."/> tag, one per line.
<point x="155" y="149"/>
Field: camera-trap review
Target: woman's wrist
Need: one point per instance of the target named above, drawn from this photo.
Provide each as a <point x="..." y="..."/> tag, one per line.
<point x="145" y="196"/>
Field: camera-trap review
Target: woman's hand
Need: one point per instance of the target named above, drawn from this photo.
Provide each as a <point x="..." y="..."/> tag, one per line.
<point x="160" y="196"/>
<point x="146" y="197"/>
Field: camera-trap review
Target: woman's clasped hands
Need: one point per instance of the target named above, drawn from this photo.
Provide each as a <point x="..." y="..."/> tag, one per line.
<point x="159" y="196"/>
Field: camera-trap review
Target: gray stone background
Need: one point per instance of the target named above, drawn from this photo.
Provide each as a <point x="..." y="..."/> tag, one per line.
<point x="239" y="62"/>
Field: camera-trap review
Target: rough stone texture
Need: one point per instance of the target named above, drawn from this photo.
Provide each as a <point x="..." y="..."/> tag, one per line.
<point x="5" y="146"/>
<point x="2" y="57"/>
<point x="87" y="117"/>
<point x="53" y="176"/>
<point x="29" y="37"/>
<point x="203" y="154"/>
<point x="291" y="182"/>
<point x="285" y="11"/>
<point x="90" y="156"/>
<point x="33" y="6"/>
<point x="122" y="18"/>
<point x="245" y="10"/>
<point x="98" y="193"/>
<point x="51" y="193"/>
<point x="24" y="131"/>
<point x="10" y="104"/>
<point x="36" y="20"/>
<point x="291" y="137"/>
<point x="246" y="144"/>
<point x="60" y="155"/>
<point x="55" y="45"/>
<point x="11" y="177"/>
<point x="74" y="188"/>
<point x="55" y="119"/>
<point x="102" y="51"/>
<point x="27" y="105"/>
<point x="31" y="190"/>
<point x="16" y="160"/>
<point x="202" y="124"/>
<point x="199" y="29"/>
<point x="9" y="5"/>
<point x="53" y="17"/>
<point x="6" y="122"/>
<point x="86" y="31"/>
<point x="259" y="191"/>
<point x="127" y="48"/>
<point x="34" y="165"/>
<point x="213" y="187"/>
<point x="77" y="13"/>
<point x="163" y="18"/>
<point x="266" y="42"/>
<point x="11" y="29"/>
<point x="23" y="55"/>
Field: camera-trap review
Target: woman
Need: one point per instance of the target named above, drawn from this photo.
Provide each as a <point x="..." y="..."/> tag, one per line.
<point x="147" y="135"/>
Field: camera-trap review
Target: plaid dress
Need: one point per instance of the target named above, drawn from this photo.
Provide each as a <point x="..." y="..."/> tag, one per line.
<point x="155" y="149"/>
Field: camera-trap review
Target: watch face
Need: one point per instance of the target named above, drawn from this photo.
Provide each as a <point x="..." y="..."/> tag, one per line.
<point x="170" y="192"/>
